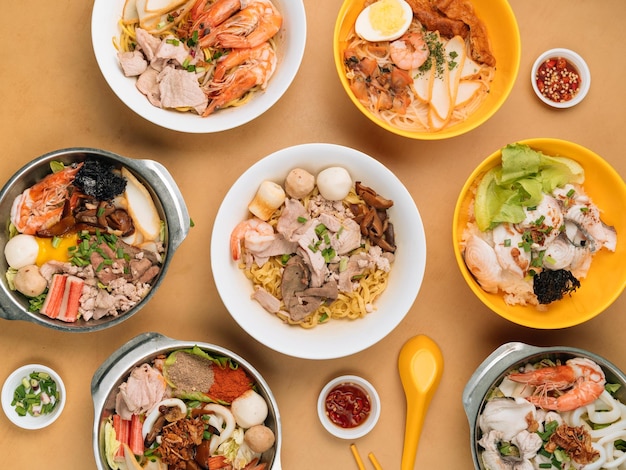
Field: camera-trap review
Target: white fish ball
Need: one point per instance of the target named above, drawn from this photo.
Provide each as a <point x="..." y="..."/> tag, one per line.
<point x="334" y="183"/>
<point x="21" y="250"/>
<point x="259" y="438"/>
<point x="29" y="281"/>
<point x="249" y="409"/>
<point x="269" y="197"/>
<point x="299" y="183"/>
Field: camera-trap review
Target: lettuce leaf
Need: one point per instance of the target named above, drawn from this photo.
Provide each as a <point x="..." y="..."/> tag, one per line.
<point x="520" y="182"/>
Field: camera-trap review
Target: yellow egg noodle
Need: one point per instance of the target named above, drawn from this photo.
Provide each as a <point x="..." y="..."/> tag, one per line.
<point x="178" y="21"/>
<point x="348" y="305"/>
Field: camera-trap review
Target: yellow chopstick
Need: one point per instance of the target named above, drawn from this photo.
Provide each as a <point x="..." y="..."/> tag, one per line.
<point x="357" y="457"/>
<point x="374" y="461"/>
<point x="359" y="462"/>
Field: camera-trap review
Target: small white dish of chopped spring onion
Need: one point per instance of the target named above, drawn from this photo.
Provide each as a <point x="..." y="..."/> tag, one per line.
<point x="33" y="396"/>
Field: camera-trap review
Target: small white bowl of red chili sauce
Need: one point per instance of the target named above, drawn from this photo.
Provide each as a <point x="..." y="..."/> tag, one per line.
<point x="348" y="407"/>
<point x="560" y="78"/>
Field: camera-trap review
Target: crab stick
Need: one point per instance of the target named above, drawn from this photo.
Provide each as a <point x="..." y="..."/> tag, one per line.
<point x="71" y="299"/>
<point x="54" y="298"/>
<point x="122" y="434"/>
<point x="135" y="438"/>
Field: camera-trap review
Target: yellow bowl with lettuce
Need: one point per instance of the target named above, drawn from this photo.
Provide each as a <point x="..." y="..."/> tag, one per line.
<point x="606" y="278"/>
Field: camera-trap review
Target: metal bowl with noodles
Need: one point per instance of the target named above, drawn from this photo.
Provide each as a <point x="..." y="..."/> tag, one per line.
<point x="514" y="421"/>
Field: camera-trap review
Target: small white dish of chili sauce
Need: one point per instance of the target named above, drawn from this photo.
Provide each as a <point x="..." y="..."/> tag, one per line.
<point x="560" y="78"/>
<point x="348" y="407"/>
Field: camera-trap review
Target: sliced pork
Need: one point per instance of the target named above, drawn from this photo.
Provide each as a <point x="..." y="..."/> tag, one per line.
<point x="144" y="389"/>
<point x="180" y="89"/>
<point x="132" y="63"/>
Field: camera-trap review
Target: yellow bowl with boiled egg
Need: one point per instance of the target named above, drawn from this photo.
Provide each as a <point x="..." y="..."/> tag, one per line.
<point x="382" y="22"/>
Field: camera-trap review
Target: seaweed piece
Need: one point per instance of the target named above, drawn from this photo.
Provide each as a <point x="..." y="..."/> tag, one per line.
<point x="549" y="285"/>
<point x="99" y="180"/>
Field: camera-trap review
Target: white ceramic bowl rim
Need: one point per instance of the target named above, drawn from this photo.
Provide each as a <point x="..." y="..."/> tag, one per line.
<point x="366" y="426"/>
<point x="578" y="62"/>
<point x="13" y="381"/>
<point x="291" y="40"/>
<point x="337" y="338"/>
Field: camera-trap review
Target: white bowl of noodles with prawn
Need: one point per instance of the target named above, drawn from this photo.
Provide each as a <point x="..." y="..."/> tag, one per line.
<point x="445" y="75"/>
<point x="519" y="415"/>
<point x="348" y="322"/>
<point x="178" y="99"/>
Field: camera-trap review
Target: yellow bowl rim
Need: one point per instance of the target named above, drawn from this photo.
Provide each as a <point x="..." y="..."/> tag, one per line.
<point x="510" y="312"/>
<point x="457" y="129"/>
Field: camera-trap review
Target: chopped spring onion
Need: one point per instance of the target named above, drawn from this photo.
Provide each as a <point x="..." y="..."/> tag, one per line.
<point x="36" y="395"/>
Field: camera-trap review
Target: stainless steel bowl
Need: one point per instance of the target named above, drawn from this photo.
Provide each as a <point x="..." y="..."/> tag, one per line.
<point x="511" y="356"/>
<point x="156" y="179"/>
<point x="145" y="347"/>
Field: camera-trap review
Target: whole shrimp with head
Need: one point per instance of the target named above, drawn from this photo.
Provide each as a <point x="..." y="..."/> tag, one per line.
<point x="41" y="206"/>
<point x="239" y="72"/>
<point x="253" y="23"/>
<point x="577" y="383"/>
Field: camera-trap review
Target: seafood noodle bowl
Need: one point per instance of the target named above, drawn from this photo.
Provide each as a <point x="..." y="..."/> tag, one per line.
<point x="553" y="413"/>
<point x="198" y="56"/>
<point x="85" y="242"/>
<point x="532" y="230"/>
<point x="189" y="408"/>
<point x="319" y="249"/>
<point x="434" y="75"/>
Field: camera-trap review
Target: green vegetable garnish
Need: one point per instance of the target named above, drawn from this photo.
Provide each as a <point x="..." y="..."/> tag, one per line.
<point x="36" y="395"/>
<point x="520" y="182"/>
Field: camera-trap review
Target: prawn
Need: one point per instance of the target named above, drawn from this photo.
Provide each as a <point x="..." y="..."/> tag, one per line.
<point x="248" y="68"/>
<point x="249" y="27"/>
<point x="581" y="380"/>
<point x="255" y="234"/>
<point x="216" y="14"/>
<point x="410" y="51"/>
<point x="41" y="205"/>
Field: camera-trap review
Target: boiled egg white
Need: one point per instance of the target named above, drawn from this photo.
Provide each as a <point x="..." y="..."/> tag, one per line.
<point x="384" y="20"/>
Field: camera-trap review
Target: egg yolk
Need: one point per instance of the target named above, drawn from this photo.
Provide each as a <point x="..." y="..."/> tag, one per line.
<point x="386" y="16"/>
<point x="55" y="249"/>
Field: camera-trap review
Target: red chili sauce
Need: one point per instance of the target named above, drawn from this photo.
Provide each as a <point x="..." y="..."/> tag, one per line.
<point x="557" y="79"/>
<point x="347" y="405"/>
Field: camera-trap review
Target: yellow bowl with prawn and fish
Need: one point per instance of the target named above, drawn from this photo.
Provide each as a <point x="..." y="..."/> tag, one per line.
<point x="476" y="94"/>
<point x="512" y="421"/>
<point x="604" y="280"/>
<point x="368" y="316"/>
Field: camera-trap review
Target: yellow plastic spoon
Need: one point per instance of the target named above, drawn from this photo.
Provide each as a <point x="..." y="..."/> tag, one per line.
<point x="421" y="365"/>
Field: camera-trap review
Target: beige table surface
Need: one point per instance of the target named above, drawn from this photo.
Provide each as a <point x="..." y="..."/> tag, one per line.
<point x="53" y="96"/>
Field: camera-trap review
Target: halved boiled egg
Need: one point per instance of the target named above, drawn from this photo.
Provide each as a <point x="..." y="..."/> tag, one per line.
<point x="384" y="20"/>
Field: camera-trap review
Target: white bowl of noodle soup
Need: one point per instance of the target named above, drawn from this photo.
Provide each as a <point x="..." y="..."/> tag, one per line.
<point x="511" y="357"/>
<point x="337" y="338"/>
<point x="290" y="43"/>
